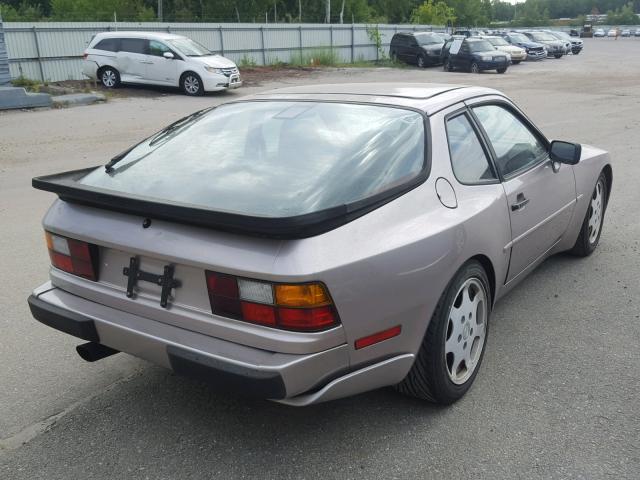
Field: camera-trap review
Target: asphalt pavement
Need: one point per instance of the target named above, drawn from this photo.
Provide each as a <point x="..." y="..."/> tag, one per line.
<point x="557" y="396"/>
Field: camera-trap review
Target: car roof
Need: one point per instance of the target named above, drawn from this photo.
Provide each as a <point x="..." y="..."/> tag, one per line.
<point x="428" y="97"/>
<point x="133" y="34"/>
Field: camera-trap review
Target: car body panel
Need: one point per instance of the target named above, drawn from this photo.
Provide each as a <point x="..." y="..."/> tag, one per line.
<point x="385" y="269"/>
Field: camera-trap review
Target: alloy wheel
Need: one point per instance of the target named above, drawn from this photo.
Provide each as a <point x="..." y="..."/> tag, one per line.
<point x="109" y="78"/>
<point x="466" y="331"/>
<point x="420" y="61"/>
<point x="191" y="85"/>
<point x="475" y="68"/>
<point x="595" y="215"/>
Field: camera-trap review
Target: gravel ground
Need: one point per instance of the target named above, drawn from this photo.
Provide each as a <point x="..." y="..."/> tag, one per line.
<point x="557" y="395"/>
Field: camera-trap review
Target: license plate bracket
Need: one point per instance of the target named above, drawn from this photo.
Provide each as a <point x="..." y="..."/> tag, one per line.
<point x="166" y="280"/>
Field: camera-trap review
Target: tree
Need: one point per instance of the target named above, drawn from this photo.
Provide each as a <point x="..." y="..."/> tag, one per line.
<point x="433" y="13"/>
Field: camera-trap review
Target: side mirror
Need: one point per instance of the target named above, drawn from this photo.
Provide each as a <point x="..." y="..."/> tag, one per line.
<point x="565" y="152"/>
<point x="168" y="55"/>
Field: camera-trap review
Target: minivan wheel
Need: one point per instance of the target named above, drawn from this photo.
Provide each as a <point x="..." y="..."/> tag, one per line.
<point x="421" y="62"/>
<point x="591" y="229"/>
<point x="191" y="84"/>
<point x="109" y="77"/>
<point x="475" y="68"/>
<point x="501" y="70"/>
<point x="452" y="349"/>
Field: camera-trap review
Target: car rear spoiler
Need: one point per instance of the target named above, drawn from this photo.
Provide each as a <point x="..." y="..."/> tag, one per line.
<point x="68" y="189"/>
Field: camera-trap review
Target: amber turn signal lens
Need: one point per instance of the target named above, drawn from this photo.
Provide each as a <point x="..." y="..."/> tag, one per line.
<point x="307" y="295"/>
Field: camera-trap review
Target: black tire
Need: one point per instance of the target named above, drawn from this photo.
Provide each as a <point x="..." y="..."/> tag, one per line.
<point x="501" y="70"/>
<point x="429" y="378"/>
<point x="420" y="61"/>
<point x="474" y="68"/>
<point x="583" y="246"/>
<point x="446" y="66"/>
<point x="558" y="56"/>
<point x="576" y="53"/>
<point x="191" y="84"/>
<point x="109" y="77"/>
<point x="516" y="62"/>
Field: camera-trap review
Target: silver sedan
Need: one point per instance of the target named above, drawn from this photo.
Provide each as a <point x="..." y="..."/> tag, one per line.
<point x="316" y="242"/>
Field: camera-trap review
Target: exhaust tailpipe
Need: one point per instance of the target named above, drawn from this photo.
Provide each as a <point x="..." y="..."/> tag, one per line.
<point x="92" y="352"/>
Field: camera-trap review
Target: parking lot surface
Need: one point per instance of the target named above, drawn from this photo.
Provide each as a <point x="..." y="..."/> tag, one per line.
<point x="557" y="395"/>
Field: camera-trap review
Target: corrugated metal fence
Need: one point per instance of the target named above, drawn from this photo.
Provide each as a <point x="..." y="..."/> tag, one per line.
<point x="4" y="60"/>
<point x="53" y="51"/>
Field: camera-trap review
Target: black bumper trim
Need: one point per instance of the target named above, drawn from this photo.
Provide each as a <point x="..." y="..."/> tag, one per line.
<point x="226" y="376"/>
<point x="63" y="320"/>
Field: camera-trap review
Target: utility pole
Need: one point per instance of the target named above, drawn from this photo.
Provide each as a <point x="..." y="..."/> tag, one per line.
<point x="237" y="13"/>
<point x="160" y="10"/>
<point x="275" y="12"/>
<point x="299" y="11"/>
<point x="328" y="11"/>
<point x="342" y="12"/>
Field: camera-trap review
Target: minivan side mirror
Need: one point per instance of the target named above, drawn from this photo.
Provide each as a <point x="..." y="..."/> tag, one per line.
<point x="565" y="152"/>
<point x="168" y="55"/>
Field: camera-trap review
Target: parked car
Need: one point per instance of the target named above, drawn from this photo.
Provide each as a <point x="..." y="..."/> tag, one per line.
<point x="564" y="38"/>
<point x="637" y="32"/>
<point x="535" y="50"/>
<point x="158" y="59"/>
<point x="612" y="33"/>
<point x="626" y="33"/>
<point x="473" y="55"/>
<point x="572" y="45"/>
<point x="373" y="259"/>
<point x="574" y="32"/>
<point x="468" y="33"/>
<point x="599" y="33"/>
<point x="420" y="48"/>
<point x="517" y="54"/>
<point x="555" y="48"/>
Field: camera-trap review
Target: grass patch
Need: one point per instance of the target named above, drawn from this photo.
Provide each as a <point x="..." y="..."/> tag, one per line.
<point x="26" y="83"/>
<point x="315" y="58"/>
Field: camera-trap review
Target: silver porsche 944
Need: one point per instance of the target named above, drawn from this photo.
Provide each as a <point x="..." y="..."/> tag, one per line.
<point x="316" y="242"/>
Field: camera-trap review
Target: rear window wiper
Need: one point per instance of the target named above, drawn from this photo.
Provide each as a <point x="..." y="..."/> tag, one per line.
<point x="157" y="137"/>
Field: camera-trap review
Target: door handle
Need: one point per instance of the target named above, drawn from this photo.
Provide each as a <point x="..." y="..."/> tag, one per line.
<point x="521" y="202"/>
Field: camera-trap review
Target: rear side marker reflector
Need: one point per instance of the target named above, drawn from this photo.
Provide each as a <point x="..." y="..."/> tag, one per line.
<point x="299" y="307"/>
<point x="73" y="256"/>
<point x="378" y="337"/>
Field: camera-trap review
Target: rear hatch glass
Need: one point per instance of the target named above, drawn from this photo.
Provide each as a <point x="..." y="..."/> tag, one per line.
<point x="273" y="159"/>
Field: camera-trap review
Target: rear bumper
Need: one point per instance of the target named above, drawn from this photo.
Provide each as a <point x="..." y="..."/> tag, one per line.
<point x="291" y="378"/>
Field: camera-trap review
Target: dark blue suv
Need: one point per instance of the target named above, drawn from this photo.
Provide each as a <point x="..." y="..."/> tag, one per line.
<point x="535" y="51"/>
<point x="473" y="55"/>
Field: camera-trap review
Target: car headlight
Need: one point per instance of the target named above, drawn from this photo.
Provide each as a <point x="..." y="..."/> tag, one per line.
<point x="212" y="69"/>
<point x="486" y="58"/>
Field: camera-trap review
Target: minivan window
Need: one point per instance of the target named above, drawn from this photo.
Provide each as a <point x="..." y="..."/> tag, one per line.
<point x="274" y="158"/>
<point x="428" y="39"/>
<point x="133" y="45"/>
<point x="157" y="48"/>
<point x="188" y="47"/>
<point x="108" y="44"/>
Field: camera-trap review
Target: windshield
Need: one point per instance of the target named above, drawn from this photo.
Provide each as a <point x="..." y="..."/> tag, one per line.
<point x="428" y="39"/>
<point x="273" y="158"/>
<point x="498" y="42"/>
<point x="480" y="46"/>
<point x="188" y="47"/>
<point x="563" y="35"/>
<point x="542" y="37"/>
<point x="519" y="37"/>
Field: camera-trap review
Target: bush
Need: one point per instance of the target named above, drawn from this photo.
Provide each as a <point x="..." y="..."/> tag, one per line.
<point x="314" y="58"/>
<point x="27" y="83"/>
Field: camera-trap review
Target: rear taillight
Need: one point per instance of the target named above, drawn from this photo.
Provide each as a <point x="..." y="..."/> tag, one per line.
<point x="303" y="307"/>
<point x="73" y="256"/>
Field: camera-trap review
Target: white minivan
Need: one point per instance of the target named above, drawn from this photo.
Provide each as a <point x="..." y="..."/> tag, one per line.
<point x="158" y="59"/>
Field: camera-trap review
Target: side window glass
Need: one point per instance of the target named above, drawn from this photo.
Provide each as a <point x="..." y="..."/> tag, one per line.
<point x="132" y="45"/>
<point x="516" y="147"/>
<point x="108" y="44"/>
<point x="157" y="48"/>
<point x="455" y="46"/>
<point x="468" y="158"/>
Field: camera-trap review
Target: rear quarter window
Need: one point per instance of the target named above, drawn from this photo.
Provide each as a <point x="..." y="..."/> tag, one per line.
<point x="133" y="45"/>
<point x="108" y="44"/>
<point x="275" y="159"/>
